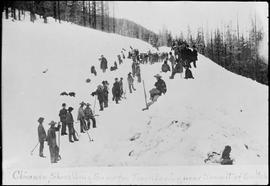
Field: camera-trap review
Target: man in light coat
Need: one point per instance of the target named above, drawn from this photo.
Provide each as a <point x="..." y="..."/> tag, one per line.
<point x="81" y="117"/>
<point x="51" y="140"/>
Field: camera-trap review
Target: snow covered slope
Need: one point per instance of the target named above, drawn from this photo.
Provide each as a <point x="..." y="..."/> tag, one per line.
<point x="197" y="116"/>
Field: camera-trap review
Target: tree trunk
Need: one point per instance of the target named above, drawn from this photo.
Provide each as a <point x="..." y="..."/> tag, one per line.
<point x="54" y="11"/>
<point x="102" y="15"/>
<point x="59" y="13"/>
<point x="6" y="11"/>
<point x="84" y="16"/>
<point x="13" y="10"/>
<point x="89" y="16"/>
<point x="19" y="15"/>
<point x="32" y="11"/>
<point x="94" y="15"/>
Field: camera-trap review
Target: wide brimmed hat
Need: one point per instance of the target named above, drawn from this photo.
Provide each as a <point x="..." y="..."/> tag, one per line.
<point x="88" y="104"/>
<point x="52" y="123"/>
<point x="99" y="86"/>
<point x="157" y="76"/>
<point x="41" y="119"/>
<point x="82" y="103"/>
<point x="70" y="108"/>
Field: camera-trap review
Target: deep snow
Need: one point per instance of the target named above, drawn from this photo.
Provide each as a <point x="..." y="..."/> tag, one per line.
<point x="195" y="117"/>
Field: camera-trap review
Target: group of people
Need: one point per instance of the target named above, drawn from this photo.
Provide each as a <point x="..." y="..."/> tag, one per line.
<point x="66" y="119"/>
<point x="182" y="58"/>
<point x="50" y="137"/>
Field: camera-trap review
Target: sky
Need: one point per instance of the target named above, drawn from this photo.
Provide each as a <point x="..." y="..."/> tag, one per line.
<point x="175" y="16"/>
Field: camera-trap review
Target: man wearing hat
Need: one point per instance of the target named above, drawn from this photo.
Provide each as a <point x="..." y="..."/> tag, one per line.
<point x="160" y="84"/>
<point x="81" y="117"/>
<point x="89" y="115"/>
<point x="105" y="91"/>
<point x="51" y="140"/>
<point x="103" y="63"/>
<point x="41" y="136"/>
<point x="130" y="82"/>
<point x="71" y="130"/>
<point x="194" y="55"/>
<point x="100" y="95"/>
<point x="62" y="115"/>
<point x="121" y="87"/>
<point x="156" y="92"/>
<point x="116" y="91"/>
<point x="138" y="72"/>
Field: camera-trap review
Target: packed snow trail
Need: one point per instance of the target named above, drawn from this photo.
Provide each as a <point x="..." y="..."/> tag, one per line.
<point x="195" y="116"/>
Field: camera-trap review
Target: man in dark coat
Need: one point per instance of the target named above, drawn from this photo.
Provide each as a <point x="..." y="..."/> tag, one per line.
<point x="156" y="92"/>
<point x="121" y="87"/>
<point x="105" y="93"/>
<point x="194" y="56"/>
<point x="165" y="67"/>
<point x="51" y="140"/>
<point x="62" y="115"/>
<point x="178" y="68"/>
<point x="188" y="74"/>
<point x="93" y="70"/>
<point x="100" y="94"/>
<point x="225" y="157"/>
<point x="119" y="59"/>
<point x="70" y="124"/>
<point x="160" y="84"/>
<point x="103" y="63"/>
<point x="41" y="136"/>
<point x="116" y="90"/>
<point x="89" y="115"/>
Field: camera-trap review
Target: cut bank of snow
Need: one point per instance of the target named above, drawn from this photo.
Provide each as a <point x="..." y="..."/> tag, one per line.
<point x="196" y="116"/>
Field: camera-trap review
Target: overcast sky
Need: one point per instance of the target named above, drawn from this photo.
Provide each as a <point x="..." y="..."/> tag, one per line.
<point x="177" y="15"/>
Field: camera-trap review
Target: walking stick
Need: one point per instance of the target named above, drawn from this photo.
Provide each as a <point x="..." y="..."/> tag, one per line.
<point x="145" y="95"/>
<point x="59" y="142"/>
<point x="34" y="149"/>
<point x="94" y="105"/>
<point x="59" y="137"/>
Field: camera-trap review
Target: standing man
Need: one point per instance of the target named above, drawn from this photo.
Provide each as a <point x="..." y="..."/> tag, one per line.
<point x="121" y="87"/>
<point x="194" y="56"/>
<point x="71" y="130"/>
<point x="103" y="63"/>
<point x="138" y="73"/>
<point x="133" y="67"/>
<point x="51" y="139"/>
<point x="89" y="115"/>
<point x="105" y="93"/>
<point x="172" y="60"/>
<point x="130" y="82"/>
<point x="116" y="90"/>
<point x="62" y="115"/>
<point x="100" y="94"/>
<point x="81" y="117"/>
<point x="41" y="136"/>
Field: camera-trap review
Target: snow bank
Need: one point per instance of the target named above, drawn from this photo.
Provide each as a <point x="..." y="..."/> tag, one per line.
<point x="215" y="109"/>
